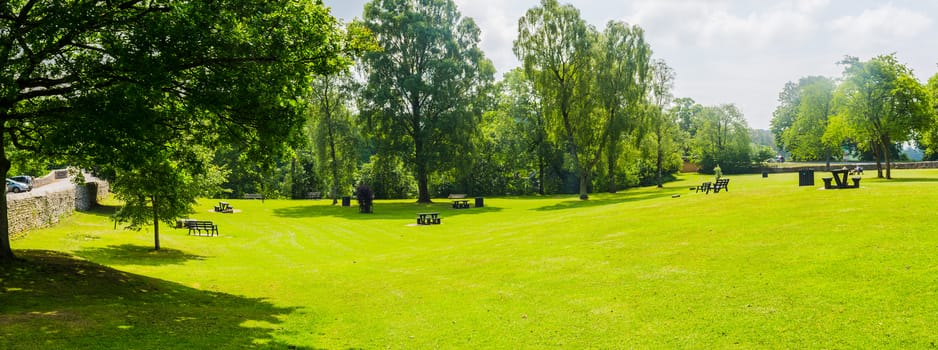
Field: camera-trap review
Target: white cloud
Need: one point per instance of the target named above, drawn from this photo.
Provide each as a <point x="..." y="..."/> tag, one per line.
<point x="881" y="25"/>
<point x="714" y="23"/>
<point x="498" y="21"/>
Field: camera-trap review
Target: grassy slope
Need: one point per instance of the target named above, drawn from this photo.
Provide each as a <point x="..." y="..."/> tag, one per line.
<point x="768" y="264"/>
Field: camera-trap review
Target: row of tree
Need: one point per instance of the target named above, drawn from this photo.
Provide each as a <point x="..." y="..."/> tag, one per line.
<point x="172" y="100"/>
<point x="874" y="108"/>
<point x="588" y="109"/>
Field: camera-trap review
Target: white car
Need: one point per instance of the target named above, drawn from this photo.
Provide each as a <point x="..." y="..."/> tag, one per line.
<point x="16" y="187"/>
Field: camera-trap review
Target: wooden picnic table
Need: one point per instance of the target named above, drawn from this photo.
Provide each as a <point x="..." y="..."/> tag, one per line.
<point x="461" y="204"/>
<point x="428" y="218"/>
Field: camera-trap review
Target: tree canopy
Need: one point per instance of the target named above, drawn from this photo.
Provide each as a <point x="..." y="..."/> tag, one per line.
<point x="126" y="87"/>
<point x="421" y="100"/>
<point x="883" y="104"/>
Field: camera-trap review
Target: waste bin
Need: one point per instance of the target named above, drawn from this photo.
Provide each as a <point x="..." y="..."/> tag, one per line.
<point x="479" y="202"/>
<point x="806" y="178"/>
<point x="765" y="174"/>
<point x="346" y="201"/>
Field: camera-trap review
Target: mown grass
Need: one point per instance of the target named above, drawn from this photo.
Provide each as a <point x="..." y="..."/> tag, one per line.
<point x="766" y="265"/>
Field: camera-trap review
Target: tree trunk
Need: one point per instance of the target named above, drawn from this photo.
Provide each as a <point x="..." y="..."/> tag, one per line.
<point x="293" y="193"/>
<point x="885" y="146"/>
<point x="335" y="162"/>
<point x="540" y="174"/>
<point x="581" y="173"/>
<point x="6" y="253"/>
<point x="423" y="187"/>
<point x="660" y="159"/>
<point x="612" y="174"/>
<point x="878" y="154"/>
<point x="156" y="224"/>
<point x="584" y="186"/>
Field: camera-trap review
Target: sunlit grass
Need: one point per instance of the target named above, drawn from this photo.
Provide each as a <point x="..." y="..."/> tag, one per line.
<point x="767" y="264"/>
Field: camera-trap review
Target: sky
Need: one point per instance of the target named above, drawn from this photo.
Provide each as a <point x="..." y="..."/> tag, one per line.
<point x="734" y="51"/>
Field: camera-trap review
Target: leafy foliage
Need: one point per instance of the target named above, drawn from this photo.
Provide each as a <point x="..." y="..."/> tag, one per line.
<point x="883" y="104"/>
<point x="421" y="95"/>
<point x="125" y="86"/>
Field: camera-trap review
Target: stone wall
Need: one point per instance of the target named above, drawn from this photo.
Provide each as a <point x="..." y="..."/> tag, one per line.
<point x="45" y="206"/>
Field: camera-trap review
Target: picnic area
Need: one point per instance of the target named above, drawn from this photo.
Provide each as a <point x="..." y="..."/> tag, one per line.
<point x="767" y="264"/>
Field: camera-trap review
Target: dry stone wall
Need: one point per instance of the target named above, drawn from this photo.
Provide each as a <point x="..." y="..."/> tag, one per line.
<point x="47" y="205"/>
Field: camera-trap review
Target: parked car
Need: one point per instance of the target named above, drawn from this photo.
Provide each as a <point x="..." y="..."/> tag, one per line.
<point x="16" y="187"/>
<point x="26" y="179"/>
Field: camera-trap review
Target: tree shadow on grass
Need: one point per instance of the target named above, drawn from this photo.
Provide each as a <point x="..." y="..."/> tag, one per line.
<point x="102" y="210"/>
<point x="903" y="180"/>
<point x="382" y="211"/>
<point x="603" y="201"/>
<point x="50" y="300"/>
<point x="128" y="254"/>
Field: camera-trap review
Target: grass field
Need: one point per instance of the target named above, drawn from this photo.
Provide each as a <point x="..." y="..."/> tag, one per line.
<point x="768" y="264"/>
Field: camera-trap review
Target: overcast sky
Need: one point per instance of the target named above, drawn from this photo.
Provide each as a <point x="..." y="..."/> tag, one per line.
<point x="734" y="51"/>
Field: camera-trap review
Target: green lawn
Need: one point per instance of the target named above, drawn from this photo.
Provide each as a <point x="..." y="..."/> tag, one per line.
<point x="766" y="265"/>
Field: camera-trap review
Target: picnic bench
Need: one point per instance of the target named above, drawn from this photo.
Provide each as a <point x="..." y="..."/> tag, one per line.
<point x="705" y="187"/>
<point x="428" y="218"/>
<point x="254" y="196"/>
<point x="840" y="177"/>
<point x="224" y="207"/>
<point x="461" y="204"/>
<point x="721" y="184"/>
<point x="197" y="227"/>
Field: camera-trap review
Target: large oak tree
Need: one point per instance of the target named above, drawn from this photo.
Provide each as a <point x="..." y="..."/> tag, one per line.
<point x="421" y="97"/>
<point x="883" y="104"/>
<point x="127" y="86"/>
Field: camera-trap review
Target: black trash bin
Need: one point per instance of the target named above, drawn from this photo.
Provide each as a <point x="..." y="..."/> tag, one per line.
<point x="479" y="202"/>
<point x="765" y="174"/>
<point x="806" y="178"/>
<point x="346" y="201"/>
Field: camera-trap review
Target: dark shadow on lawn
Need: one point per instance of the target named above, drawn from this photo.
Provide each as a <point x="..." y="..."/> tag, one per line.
<point x="51" y="300"/>
<point x="102" y="210"/>
<point x="128" y="254"/>
<point x="901" y="179"/>
<point x="381" y="211"/>
<point x="574" y="202"/>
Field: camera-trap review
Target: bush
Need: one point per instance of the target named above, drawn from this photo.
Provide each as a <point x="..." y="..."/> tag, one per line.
<point x="365" y="198"/>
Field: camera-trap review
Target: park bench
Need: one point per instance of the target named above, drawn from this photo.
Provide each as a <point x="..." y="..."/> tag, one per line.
<point x="705" y="187"/>
<point x="314" y="195"/>
<point x="461" y="204"/>
<point x="428" y="218"/>
<point x="456" y="196"/>
<point x="721" y="184"/>
<point x="254" y="196"/>
<point x="198" y="227"/>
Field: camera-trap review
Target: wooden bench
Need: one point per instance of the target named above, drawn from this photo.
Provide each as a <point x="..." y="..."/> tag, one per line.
<point x="721" y="184"/>
<point x="198" y="227"/>
<point x="461" y="204"/>
<point x="314" y="195"/>
<point x="254" y="196"/>
<point x="428" y="218"/>
<point x="456" y="196"/>
<point x="705" y="187"/>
